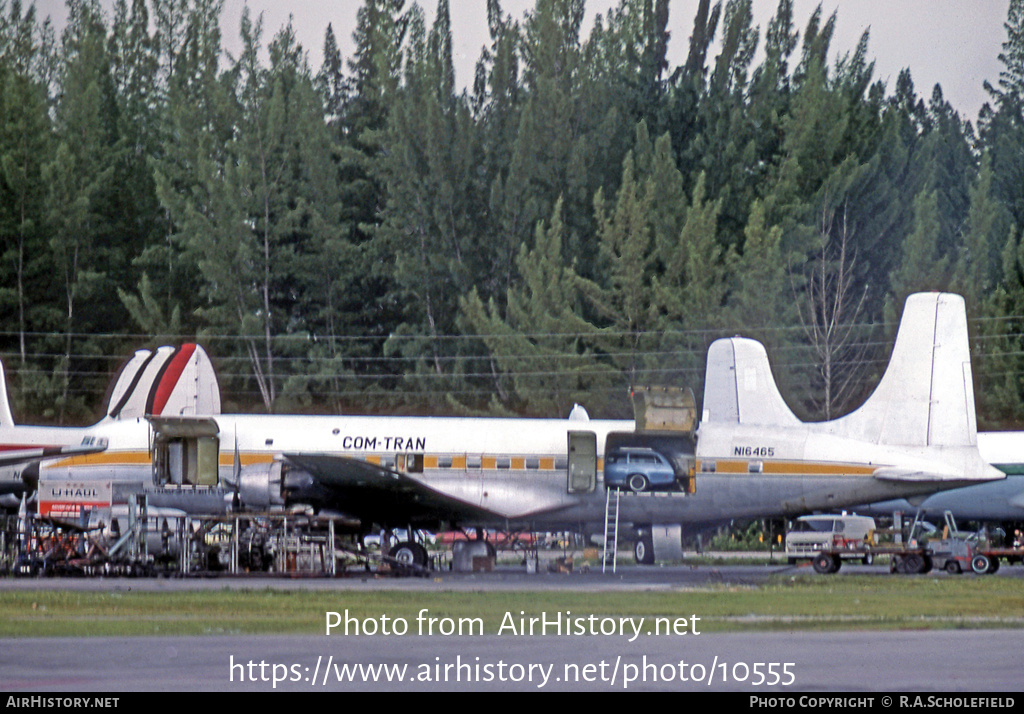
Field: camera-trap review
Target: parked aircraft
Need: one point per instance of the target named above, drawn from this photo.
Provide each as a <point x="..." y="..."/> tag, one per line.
<point x="753" y="458"/>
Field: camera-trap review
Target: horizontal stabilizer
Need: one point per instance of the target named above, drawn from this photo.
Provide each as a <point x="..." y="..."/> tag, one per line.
<point x="891" y="474"/>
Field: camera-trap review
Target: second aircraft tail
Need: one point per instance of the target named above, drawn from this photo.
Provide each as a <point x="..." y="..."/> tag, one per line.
<point x="925" y="397"/>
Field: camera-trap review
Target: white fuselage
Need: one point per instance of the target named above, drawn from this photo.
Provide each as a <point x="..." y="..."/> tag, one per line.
<point x="512" y="470"/>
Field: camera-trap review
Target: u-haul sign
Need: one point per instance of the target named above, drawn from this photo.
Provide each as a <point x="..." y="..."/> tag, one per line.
<point x="67" y="499"/>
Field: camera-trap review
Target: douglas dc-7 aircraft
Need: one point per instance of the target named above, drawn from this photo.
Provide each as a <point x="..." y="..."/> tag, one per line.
<point x="915" y="435"/>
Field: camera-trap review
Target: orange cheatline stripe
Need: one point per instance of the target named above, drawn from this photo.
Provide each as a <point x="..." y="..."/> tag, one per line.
<point x="794" y="468"/>
<point x="122" y="458"/>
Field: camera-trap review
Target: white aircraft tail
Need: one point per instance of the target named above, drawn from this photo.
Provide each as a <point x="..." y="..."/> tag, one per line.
<point x="925" y="397"/>
<point x="6" y="418"/>
<point x="739" y="387"/>
<point x="168" y="382"/>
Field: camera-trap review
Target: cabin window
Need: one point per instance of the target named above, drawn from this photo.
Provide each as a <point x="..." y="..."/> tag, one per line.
<point x="708" y="467"/>
<point x="503" y="462"/>
<point x="414" y="463"/>
<point x="444" y="462"/>
<point x="755" y="467"/>
<point x="533" y="462"/>
<point x="474" y="462"/>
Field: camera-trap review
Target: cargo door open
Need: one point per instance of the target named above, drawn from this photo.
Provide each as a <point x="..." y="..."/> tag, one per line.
<point x="582" y="471"/>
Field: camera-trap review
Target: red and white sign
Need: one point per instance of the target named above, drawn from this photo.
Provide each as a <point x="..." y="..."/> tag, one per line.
<point x="67" y="499"/>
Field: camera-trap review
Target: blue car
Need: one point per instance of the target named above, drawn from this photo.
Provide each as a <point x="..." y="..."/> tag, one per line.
<point x="638" y="469"/>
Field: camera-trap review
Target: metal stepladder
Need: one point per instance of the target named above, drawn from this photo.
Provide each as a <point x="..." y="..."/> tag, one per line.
<point x="611" y="528"/>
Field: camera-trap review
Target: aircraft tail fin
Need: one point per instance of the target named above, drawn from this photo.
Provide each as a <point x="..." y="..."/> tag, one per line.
<point x="926" y="396"/>
<point x="167" y="382"/>
<point x="739" y="386"/>
<point x="6" y="418"/>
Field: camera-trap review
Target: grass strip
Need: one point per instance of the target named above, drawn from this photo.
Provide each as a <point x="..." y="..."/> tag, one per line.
<point x="791" y="603"/>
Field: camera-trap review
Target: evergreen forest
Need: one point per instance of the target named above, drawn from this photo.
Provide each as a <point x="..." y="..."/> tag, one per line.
<point x="580" y="219"/>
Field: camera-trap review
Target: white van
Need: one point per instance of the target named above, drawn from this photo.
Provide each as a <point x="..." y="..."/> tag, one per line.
<point x="843" y="536"/>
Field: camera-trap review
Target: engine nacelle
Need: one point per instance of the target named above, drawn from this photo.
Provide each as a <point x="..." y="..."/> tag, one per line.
<point x="259" y="486"/>
<point x="275" y="485"/>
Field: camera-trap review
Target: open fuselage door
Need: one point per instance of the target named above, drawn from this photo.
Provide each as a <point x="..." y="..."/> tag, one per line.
<point x="186" y="451"/>
<point x="582" y="471"/>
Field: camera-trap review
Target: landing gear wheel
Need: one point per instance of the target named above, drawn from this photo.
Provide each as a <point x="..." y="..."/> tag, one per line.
<point x="993" y="566"/>
<point x="825" y="563"/>
<point x="980" y="563"/>
<point x="637" y="483"/>
<point x="409" y="553"/>
<point x="643" y="550"/>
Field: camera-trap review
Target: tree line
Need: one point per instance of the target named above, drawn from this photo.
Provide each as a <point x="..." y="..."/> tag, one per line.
<point x="582" y="219"/>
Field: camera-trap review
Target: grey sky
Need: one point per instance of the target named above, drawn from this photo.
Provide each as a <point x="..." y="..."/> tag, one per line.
<point x="955" y="43"/>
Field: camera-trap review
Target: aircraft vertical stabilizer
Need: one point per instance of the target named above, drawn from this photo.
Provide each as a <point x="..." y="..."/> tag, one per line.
<point x="168" y="382"/>
<point x="739" y="387"/>
<point x="6" y="418"/>
<point x="187" y="385"/>
<point x="926" y="396"/>
<point x="125" y="382"/>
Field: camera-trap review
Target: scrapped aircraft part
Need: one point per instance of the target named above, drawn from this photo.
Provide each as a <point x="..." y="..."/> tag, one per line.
<point x="664" y="409"/>
<point x="582" y="471"/>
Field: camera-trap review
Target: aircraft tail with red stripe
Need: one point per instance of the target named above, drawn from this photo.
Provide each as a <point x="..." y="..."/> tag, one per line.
<point x="170" y="381"/>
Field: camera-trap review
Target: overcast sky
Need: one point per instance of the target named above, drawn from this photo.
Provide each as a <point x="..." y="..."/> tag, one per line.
<point x="955" y="43"/>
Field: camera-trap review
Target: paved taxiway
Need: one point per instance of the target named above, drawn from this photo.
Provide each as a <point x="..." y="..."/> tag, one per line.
<point x="882" y="662"/>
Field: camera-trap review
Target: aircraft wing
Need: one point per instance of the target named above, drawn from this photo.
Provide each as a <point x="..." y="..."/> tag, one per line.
<point x="27" y="455"/>
<point x="376" y="494"/>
